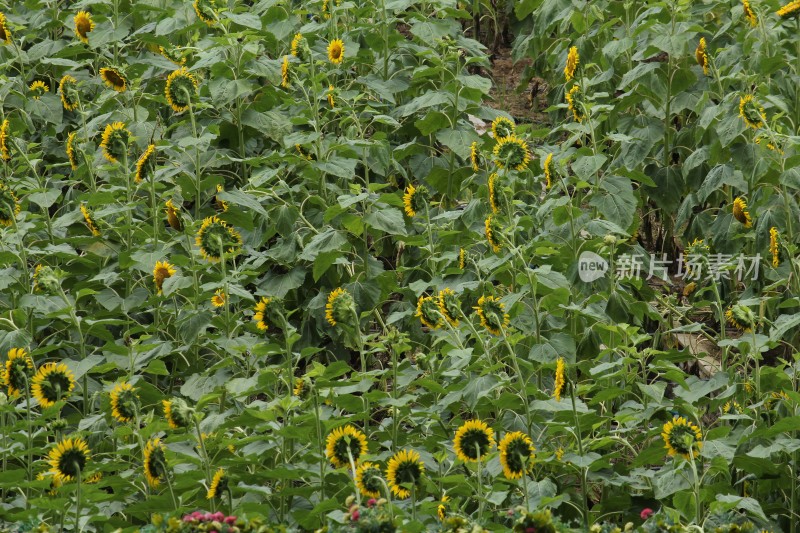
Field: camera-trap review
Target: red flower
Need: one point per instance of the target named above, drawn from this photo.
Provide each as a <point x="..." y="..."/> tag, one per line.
<point x="646" y="513"/>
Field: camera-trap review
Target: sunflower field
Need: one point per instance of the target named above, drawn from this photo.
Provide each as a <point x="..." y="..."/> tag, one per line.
<point x="284" y="266"/>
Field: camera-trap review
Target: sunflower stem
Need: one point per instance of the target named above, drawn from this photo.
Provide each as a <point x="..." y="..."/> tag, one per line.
<point x="353" y="470"/>
<point x="583" y="470"/>
<point x="523" y="389"/>
<point x="480" y="481"/>
<point x="196" y="162"/>
<point x="698" y="512"/>
<point x="204" y="454"/>
<point x="321" y="446"/>
<point x="78" y="498"/>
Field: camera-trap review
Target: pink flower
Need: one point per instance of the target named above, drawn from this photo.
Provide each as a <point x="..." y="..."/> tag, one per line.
<point x="355" y="514"/>
<point x="230" y="520"/>
<point x="646" y="513"/>
<point x="371" y="502"/>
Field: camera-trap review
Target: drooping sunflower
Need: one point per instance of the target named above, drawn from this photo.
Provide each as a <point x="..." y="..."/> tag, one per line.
<point x="68" y="459"/>
<point x="52" y="383"/>
<point x="9" y="205"/>
<point x="741" y="213"/>
<point x="548" y="171"/>
<point x="172" y="215"/>
<point x="473" y="441"/>
<point x="741" y="317"/>
<point x="114" y="78"/>
<point x="560" y="379"/>
<point x="683" y="438"/>
<point x="124" y="402"/>
<point x="215" y="238"/>
<point x="344" y="443"/>
<point x="502" y="127"/>
<point x="462" y="258"/>
<point x="155" y="462"/>
<point x="115" y="141"/>
<point x="774" y="248"/>
<point x="38" y="88"/>
<point x="701" y="56"/>
<point x="751" y="112"/>
<point x="492" y="227"/>
<point x="5" y="34"/>
<point x="414" y="199"/>
<point x="88" y="217"/>
<point x="5" y="154"/>
<point x="492" y="314"/>
<point x="83" y="25"/>
<point x="205" y="11"/>
<point x="574" y="102"/>
<point x="732" y="407"/>
<point x="516" y="454"/>
<point x="340" y="306"/>
<point x="70" y="147"/>
<point x="180" y="89"/>
<point x="404" y="467"/>
<point x="331" y="100"/>
<point x="260" y="316"/>
<point x="285" y="72"/>
<point x="449" y="306"/>
<point x="368" y="480"/>
<point x="219" y="484"/>
<point x="428" y="312"/>
<point x="219" y="298"/>
<point x="748" y="13"/>
<point x="492" y="186"/>
<point x="325" y="10"/>
<point x="336" y="51"/>
<point x="297" y="48"/>
<point x="302" y="387"/>
<point x="572" y="63"/>
<point x="474" y="156"/>
<point x="511" y="152"/>
<point x="55" y="483"/>
<point x="18" y="371"/>
<point x="162" y="271"/>
<point x="146" y="163"/>
<point x="173" y="54"/>
<point x="441" y="509"/>
<point x="790" y="9"/>
<point x="302" y="153"/>
<point x="177" y="414"/>
<point x="222" y="205"/>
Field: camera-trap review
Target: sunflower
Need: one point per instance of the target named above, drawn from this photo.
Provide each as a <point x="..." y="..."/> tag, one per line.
<point x="18" y="371"/>
<point x="215" y="238"/>
<point x="52" y="383"/>
<point x="473" y="441"/>
<point x="5" y="155"/>
<point x="516" y="454"/>
<point x="732" y="407"/>
<point x="502" y="127"/>
<point x="70" y="147"/>
<point x="774" y="249"/>
<point x="169" y="415"/>
<point x="218" y="484"/>
<point x="205" y="11"/>
<point x="114" y="78"/>
<point x="749" y="14"/>
<point x="83" y="25"/>
<point x="368" y="480"/>
<point x="302" y="153"/>
<point x="5" y="34"/>
<point x="741" y="317"/>
<point x="146" y="163"/>
<point x="88" y="217"/>
<point x="769" y="144"/>
<point x="173" y="54"/>
<point x="462" y="258"/>
<point x="414" y="199"/>
<point x="492" y="227"/>
<point x="790" y="9"/>
<point x="222" y="205"/>
<point x="343" y="444"/>
<point x="55" y="482"/>
<point x="162" y="271"/>
<point x="9" y="205"/>
<point x="572" y="63"/>
<point x="474" y="156"/>
<point x="260" y="316"/>
<point x="441" y="509"/>
<point x="574" y="102"/>
<point x="219" y="298"/>
<point x="181" y="87"/>
<point x="68" y="459"/>
<point x="297" y="48"/>
<point x="285" y="72"/>
<point x="428" y="312"/>
<point x="548" y="171"/>
<point x="492" y="313"/>
<point x="492" y="186"/>
<point x="752" y="113"/>
<point x="325" y="11"/>
<point x="172" y="215"/>
<point x="559" y="454"/>
<point x="682" y="438"/>
<point x="124" y="402"/>
<point x="560" y="380"/>
<point x="331" y="100"/>
<point x="155" y="462"/>
<point x="38" y="88"/>
<point x="741" y="213"/>
<point x="115" y="141"/>
<point x="511" y="152"/>
<point x="340" y="307"/>
<point x="336" y="51"/>
<point x="449" y="306"/>
<point x="701" y="55"/>
<point x="405" y="467"/>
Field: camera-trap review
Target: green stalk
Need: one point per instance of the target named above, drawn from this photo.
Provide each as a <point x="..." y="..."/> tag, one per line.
<point x="583" y="470"/>
<point x="197" y="173"/>
<point x="523" y="389"/>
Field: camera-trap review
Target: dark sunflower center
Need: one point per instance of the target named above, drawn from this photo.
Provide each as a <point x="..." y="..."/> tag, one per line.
<point x="114" y="78"/>
<point x="218" y="238"/>
<point x="371" y="479"/>
<point x="71" y="462"/>
<point x="156" y="463"/>
<point x="341" y="447"/>
<point x="55" y="387"/>
<point x="517" y="454"/>
<point x="475" y="443"/>
<point x="682" y="438"/>
<point x="84" y="26"/>
<point x="19" y="375"/>
<point x="408" y="472"/>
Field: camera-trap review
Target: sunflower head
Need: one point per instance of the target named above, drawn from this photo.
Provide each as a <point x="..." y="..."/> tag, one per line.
<point x="404" y="468"/>
<point x="701" y="56"/>
<point x="124" y="402"/>
<point x="493" y="230"/>
<point x="511" y="152"/>
<point x="428" y="312"/>
<point x="266" y="311"/>
<point x="155" y="462"/>
<point x="181" y="88"/>
<point x="774" y="246"/>
<point x="574" y="99"/>
<point x="368" y="480"/>
<point x="547" y="166"/>
<point x="38" y="88"/>
<point x="751" y="112"/>
<point x="302" y="387"/>
<point x="748" y="13"/>
<point x="114" y="78"/>
<point x="449" y="306"/>
<point x="72" y="139"/>
<point x="173" y="219"/>
<point x="88" y="217"/>
<point x="5" y="34"/>
<point x="560" y="379"/>
<point x="741" y="213"/>
<point x="572" y="63"/>
<point x="18" y="371"/>
<point x="331" y="94"/>
<point x="219" y="484"/>
<point x="68" y="90"/>
<point x="682" y="437"/>
<point x="340" y="307"/>
<point x="345" y="444"/>
<point x="221" y="204"/>
<point x="68" y="459"/>
<point x="298" y="46"/>
<point x="285" y="72"/>
<point x="174" y="54"/>
<point x="55" y="482"/>
<point x="45" y="279"/>
<point x="52" y="383"/>
<point x="336" y="51"/>
<point x="516" y="454"/>
<point x="415" y="199"/>
<point x="115" y="141"/>
<point x="462" y="258"/>
<point x="474" y="156"/>
<point x="502" y="127"/>
<point x="162" y="271"/>
<point x="146" y="163"/>
<point x="205" y="10"/>
<point x="216" y="239"/>
<point x="741" y="317"/>
<point x="5" y="154"/>
<point x="492" y="184"/>
<point x="9" y="205"/>
<point x="441" y="509"/>
<point x="474" y="440"/>
<point x="83" y="25"/>
<point x="732" y="407"/>
<point x="219" y="299"/>
<point x="492" y="314"/>
<point x="791" y="9"/>
<point x="177" y="413"/>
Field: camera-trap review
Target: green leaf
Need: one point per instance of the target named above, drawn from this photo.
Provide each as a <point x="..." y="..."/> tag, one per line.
<point x="387" y="219"/>
<point x="616" y="202"/>
<point x="327" y="241"/>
